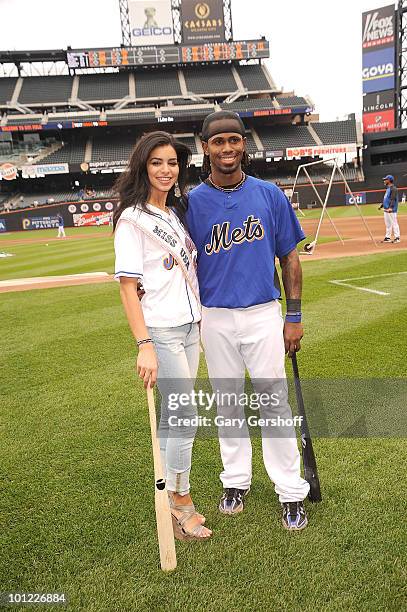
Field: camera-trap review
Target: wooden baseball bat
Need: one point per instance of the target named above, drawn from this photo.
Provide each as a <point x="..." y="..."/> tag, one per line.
<point x="166" y="543"/>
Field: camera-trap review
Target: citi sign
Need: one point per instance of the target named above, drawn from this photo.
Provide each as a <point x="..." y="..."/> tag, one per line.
<point x="356" y="198"/>
<point x="152" y="31"/>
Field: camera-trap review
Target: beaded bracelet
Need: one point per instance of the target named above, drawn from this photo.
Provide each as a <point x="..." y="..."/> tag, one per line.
<point x="145" y="341"/>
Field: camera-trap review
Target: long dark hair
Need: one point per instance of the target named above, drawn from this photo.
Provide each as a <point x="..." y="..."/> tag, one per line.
<point x="133" y="185"/>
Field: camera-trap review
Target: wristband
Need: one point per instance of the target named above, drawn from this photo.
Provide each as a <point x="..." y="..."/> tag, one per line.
<point x="145" y="341"/>
<point x="293" y="317"/>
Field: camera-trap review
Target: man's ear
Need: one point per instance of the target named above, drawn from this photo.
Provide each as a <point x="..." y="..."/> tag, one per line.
<point x="205" y="147"/>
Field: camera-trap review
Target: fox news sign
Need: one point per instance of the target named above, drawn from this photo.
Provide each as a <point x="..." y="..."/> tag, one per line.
<point x="151" y="22"/>
<point x="378" y="28"/>
<point x="379" y="68"/>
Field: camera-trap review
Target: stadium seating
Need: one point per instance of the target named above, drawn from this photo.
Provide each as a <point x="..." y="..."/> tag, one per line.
<point x="187" y="114"/>
<point x="248" y="105"/>
<point x="7" y="86"/>
<point x="39" y="91"/>
<point x="251" y="146"/>
<point x="253" y="78"/>
<point x="157" y="84"/>
<point x="288" y="101"/>
<point x="336" y="132"/>
<point x="74" y="117"/>
<point x="189" y="141"/>
<point x="70" y="153"/>
<point x="129" y="116"/>
<point x="282" y="136"/>
<point x="204" y="81"/>
<point x="113" y="148"/>
<point x="23" y="119"/>
<point x="110" y="86"/>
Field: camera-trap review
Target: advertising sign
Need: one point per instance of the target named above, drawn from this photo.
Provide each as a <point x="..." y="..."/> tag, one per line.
<point x="378" y="28"/>
<point x="202" y="21"/>
<point x="8" y="171"/>
<point x="151" y="22"/>
<point x="34" y="223"/>
<point x="92" y="218"/>
<point x="32" y="171"/>
<point x="356" y="198"/>
<point x="378" y="101"/>
<point x="379" y="122"/>
<point x="378" y="70"/>
<point x="320" y="150"/>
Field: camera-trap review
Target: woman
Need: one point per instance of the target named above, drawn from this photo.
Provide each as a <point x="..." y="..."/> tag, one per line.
<point x="152" y="246"/>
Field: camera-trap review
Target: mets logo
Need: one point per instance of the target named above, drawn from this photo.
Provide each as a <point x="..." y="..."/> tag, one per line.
<point x="223" y="238"/>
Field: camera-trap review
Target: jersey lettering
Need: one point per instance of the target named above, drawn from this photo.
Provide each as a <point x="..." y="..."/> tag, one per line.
<point x="252" y="230"/>
<point x="165" y="236"/>
<point x="169" y="262"/>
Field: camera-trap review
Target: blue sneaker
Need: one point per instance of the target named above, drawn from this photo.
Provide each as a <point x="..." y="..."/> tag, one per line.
<point x="294" y="516"/>
<point x="232" y="501"/>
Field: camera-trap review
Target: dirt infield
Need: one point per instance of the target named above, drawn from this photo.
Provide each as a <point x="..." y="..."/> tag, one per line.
<point x="353" y="231"/>
<point x="48" y="282"/>
<point x="356" y="237"/>
<point x="54" y="239"/>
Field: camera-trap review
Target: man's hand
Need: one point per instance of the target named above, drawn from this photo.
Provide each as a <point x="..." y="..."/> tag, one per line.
<point x="293" y="332"/>
<point x="140" y="290"/>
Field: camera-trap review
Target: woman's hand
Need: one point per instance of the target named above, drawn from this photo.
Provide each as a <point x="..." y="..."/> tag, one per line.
<point x="147" y="364"/>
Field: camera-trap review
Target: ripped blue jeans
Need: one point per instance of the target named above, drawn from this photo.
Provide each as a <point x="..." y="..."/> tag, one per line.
<point x="177" y="350"/>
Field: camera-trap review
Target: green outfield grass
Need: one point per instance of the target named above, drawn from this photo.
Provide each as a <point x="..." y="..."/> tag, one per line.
<point x="59" y="257"/>
<point x="340" y="212"/>
<point x="76" y="506"/>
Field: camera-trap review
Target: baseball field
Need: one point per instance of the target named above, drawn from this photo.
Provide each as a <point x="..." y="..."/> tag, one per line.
<point x="77" y="508"/>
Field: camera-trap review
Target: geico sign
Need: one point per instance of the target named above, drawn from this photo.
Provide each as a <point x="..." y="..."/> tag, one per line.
<point x="377" y="71"/>
<point x="153" y="31"/>
<point x="375" y="28"/>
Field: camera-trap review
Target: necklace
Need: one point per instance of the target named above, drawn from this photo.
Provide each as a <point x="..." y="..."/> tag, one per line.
<point x="165" y="209"/>
<point x="228" y="190"/>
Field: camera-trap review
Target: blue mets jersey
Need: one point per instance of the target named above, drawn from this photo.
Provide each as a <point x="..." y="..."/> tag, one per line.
<point x="238" y="235"/>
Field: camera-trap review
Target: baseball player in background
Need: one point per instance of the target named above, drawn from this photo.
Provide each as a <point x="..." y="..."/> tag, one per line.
<point x="239" y="224"/>
<point x="390" y="207"/>
<point x="61" y="228"/>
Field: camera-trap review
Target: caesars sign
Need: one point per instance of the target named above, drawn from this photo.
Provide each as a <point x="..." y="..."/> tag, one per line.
<point x="151" y="22"/>
<point x="202" y="21"/>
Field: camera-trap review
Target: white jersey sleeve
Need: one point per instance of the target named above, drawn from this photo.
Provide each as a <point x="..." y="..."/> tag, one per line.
<point x="129" y="247"/>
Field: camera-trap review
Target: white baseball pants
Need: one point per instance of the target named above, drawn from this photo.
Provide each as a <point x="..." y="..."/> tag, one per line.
<point x="390" y="220"/>
<point x="252" y="338"/>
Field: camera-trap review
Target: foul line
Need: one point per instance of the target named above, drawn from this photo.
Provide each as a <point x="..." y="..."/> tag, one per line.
<point x="344" y="282"/>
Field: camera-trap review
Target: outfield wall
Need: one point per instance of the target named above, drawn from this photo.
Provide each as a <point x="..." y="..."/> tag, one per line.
<point x="75" y="214"/>
<point x="99" y="212"/>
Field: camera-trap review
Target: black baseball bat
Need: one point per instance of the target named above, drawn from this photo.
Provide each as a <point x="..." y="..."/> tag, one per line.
<point x="308" y="456"/>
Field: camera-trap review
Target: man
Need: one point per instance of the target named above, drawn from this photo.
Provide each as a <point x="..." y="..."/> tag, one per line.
<point x="390" y="207"/>
<point x="61" y="229"/>
<point x="239" y="224"/>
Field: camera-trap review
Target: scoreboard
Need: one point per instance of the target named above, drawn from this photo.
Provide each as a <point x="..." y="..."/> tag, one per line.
<point x="168" y="54"/>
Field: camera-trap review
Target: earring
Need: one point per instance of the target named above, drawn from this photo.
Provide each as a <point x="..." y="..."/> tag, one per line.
<point x="177" y="190"/>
